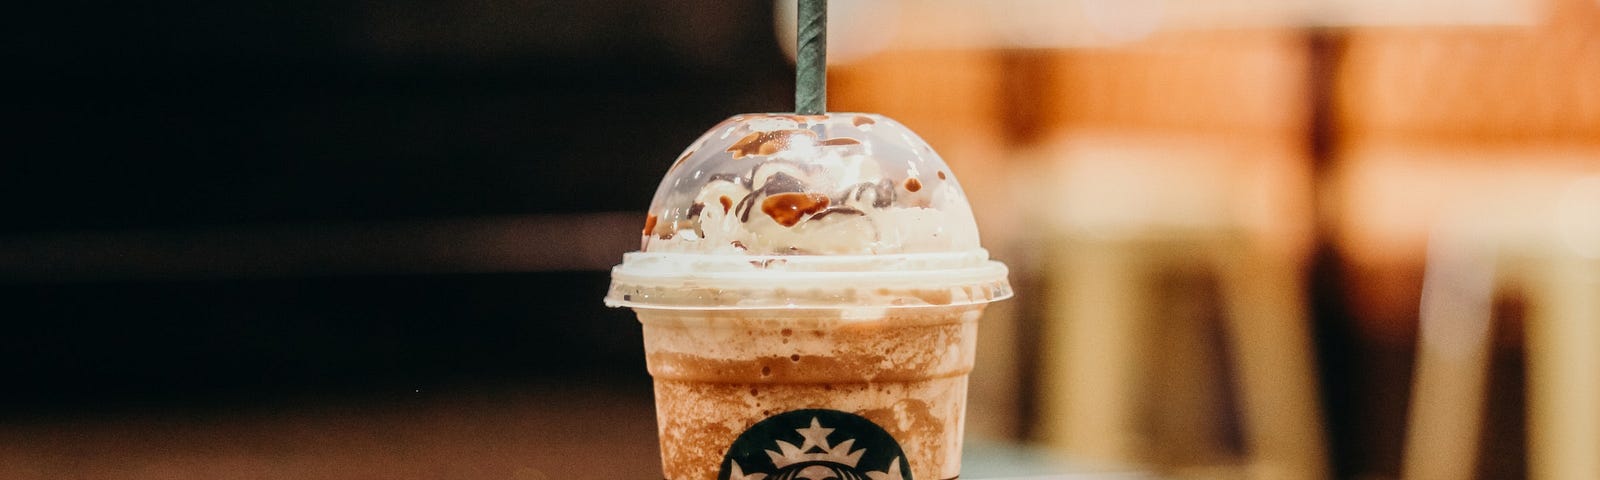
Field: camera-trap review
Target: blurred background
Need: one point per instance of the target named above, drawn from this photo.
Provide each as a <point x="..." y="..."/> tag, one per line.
<point x="353" y="239"/>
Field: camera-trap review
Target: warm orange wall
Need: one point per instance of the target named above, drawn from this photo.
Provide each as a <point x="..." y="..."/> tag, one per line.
<point x="1423" y="119"/>
<point x="1224" y="83"/>
<point x="1431" y="120"/>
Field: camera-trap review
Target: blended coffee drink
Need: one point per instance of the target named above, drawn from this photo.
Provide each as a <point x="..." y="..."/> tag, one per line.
<point x="809" y="287"/>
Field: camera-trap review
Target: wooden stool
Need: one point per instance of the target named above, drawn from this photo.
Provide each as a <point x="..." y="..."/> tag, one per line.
<point x="1554" y="260"/>
<point x="1103" y="314"/>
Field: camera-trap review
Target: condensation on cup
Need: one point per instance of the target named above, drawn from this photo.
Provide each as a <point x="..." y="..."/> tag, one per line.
<point x="810" y="288"/>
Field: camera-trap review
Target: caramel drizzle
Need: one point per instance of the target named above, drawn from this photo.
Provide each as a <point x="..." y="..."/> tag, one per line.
<point x="912" y="184"/>
<point x="765" y="143"/>
<point x="779" y="183"/>
<point x="789" y="208"/>
<point x="788" y="200"/>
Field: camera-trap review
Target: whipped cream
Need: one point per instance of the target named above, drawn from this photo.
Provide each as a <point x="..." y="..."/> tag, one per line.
<point x="847" y="212"/>
<point x="834" y="184"/>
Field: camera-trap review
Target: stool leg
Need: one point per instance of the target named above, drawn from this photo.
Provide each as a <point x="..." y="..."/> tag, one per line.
<point x="1453" y="349"/>
<point x="1564" y="371"/>
<point x="1191" y="428"/>
<point x="1094" y="359"/>
<point x="1270" y="337"/>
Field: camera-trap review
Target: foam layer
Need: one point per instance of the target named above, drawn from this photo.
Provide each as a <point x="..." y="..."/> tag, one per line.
<point x="862" y="285"/>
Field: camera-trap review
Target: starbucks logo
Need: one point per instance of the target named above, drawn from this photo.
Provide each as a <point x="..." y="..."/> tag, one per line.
<point x="815" y="445"/>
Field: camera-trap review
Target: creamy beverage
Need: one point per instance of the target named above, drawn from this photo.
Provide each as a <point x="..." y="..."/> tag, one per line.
<point x="809" y="288"/>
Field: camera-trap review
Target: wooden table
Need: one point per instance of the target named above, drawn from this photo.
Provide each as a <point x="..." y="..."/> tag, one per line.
<point x="564" y="432"/>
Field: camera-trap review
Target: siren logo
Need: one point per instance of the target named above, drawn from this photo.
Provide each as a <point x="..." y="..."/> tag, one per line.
<point x="815" y="445"/>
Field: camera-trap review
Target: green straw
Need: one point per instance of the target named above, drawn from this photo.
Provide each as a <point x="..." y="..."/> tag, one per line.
<point x="811" y="58"/>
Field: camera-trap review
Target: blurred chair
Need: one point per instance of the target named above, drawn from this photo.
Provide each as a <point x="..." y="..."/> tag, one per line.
<point x="1456" y="142"/>
<point x="1430" y="117"/>
<point x="1174" y="181"/>
<point x="1544" y="243"/>
<point x="1134" y="223"/>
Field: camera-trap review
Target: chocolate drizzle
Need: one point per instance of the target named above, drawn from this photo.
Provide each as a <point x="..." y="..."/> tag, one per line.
<point x="694" y="210"/>
<point x="861" y="120"/>
<point x="882" y="193"/>
<point x="840" y="141"/>
<point x="839" y="209"/>
<point x="743" y="209"/>
<point x="782" y="182"/>
<point x="941" y="174"/>
<point x="765" y="143"/>
<point x="727" y="203"/>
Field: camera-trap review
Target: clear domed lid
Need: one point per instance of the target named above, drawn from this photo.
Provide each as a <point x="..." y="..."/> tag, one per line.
<point x="830" y="184"/>
<point x="838" y="210"/>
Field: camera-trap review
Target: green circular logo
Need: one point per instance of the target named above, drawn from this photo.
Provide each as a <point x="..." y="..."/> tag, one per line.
<point x="815" y="444"/>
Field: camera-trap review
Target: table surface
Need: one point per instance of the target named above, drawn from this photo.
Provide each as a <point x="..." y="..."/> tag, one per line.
<point x="541" y="434"/>
<point x="994" y="460"/>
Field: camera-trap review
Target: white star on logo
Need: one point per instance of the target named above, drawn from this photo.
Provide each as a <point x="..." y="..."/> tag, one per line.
<point x="788" y="458"/>
<point x="738" y="474"/>
<point x="816" y="436"/>
<point x="893" y="473"/>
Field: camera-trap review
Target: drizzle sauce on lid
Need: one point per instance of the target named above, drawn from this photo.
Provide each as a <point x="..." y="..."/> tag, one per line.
<point x="789" y="208"/>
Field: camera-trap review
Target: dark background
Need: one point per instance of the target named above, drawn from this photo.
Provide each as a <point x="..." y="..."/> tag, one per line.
<point x="267" y="206"/>
<point x="175" y="119"/>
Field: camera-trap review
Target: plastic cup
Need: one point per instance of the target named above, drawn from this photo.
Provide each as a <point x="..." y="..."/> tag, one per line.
<point x="809" y="289"/>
